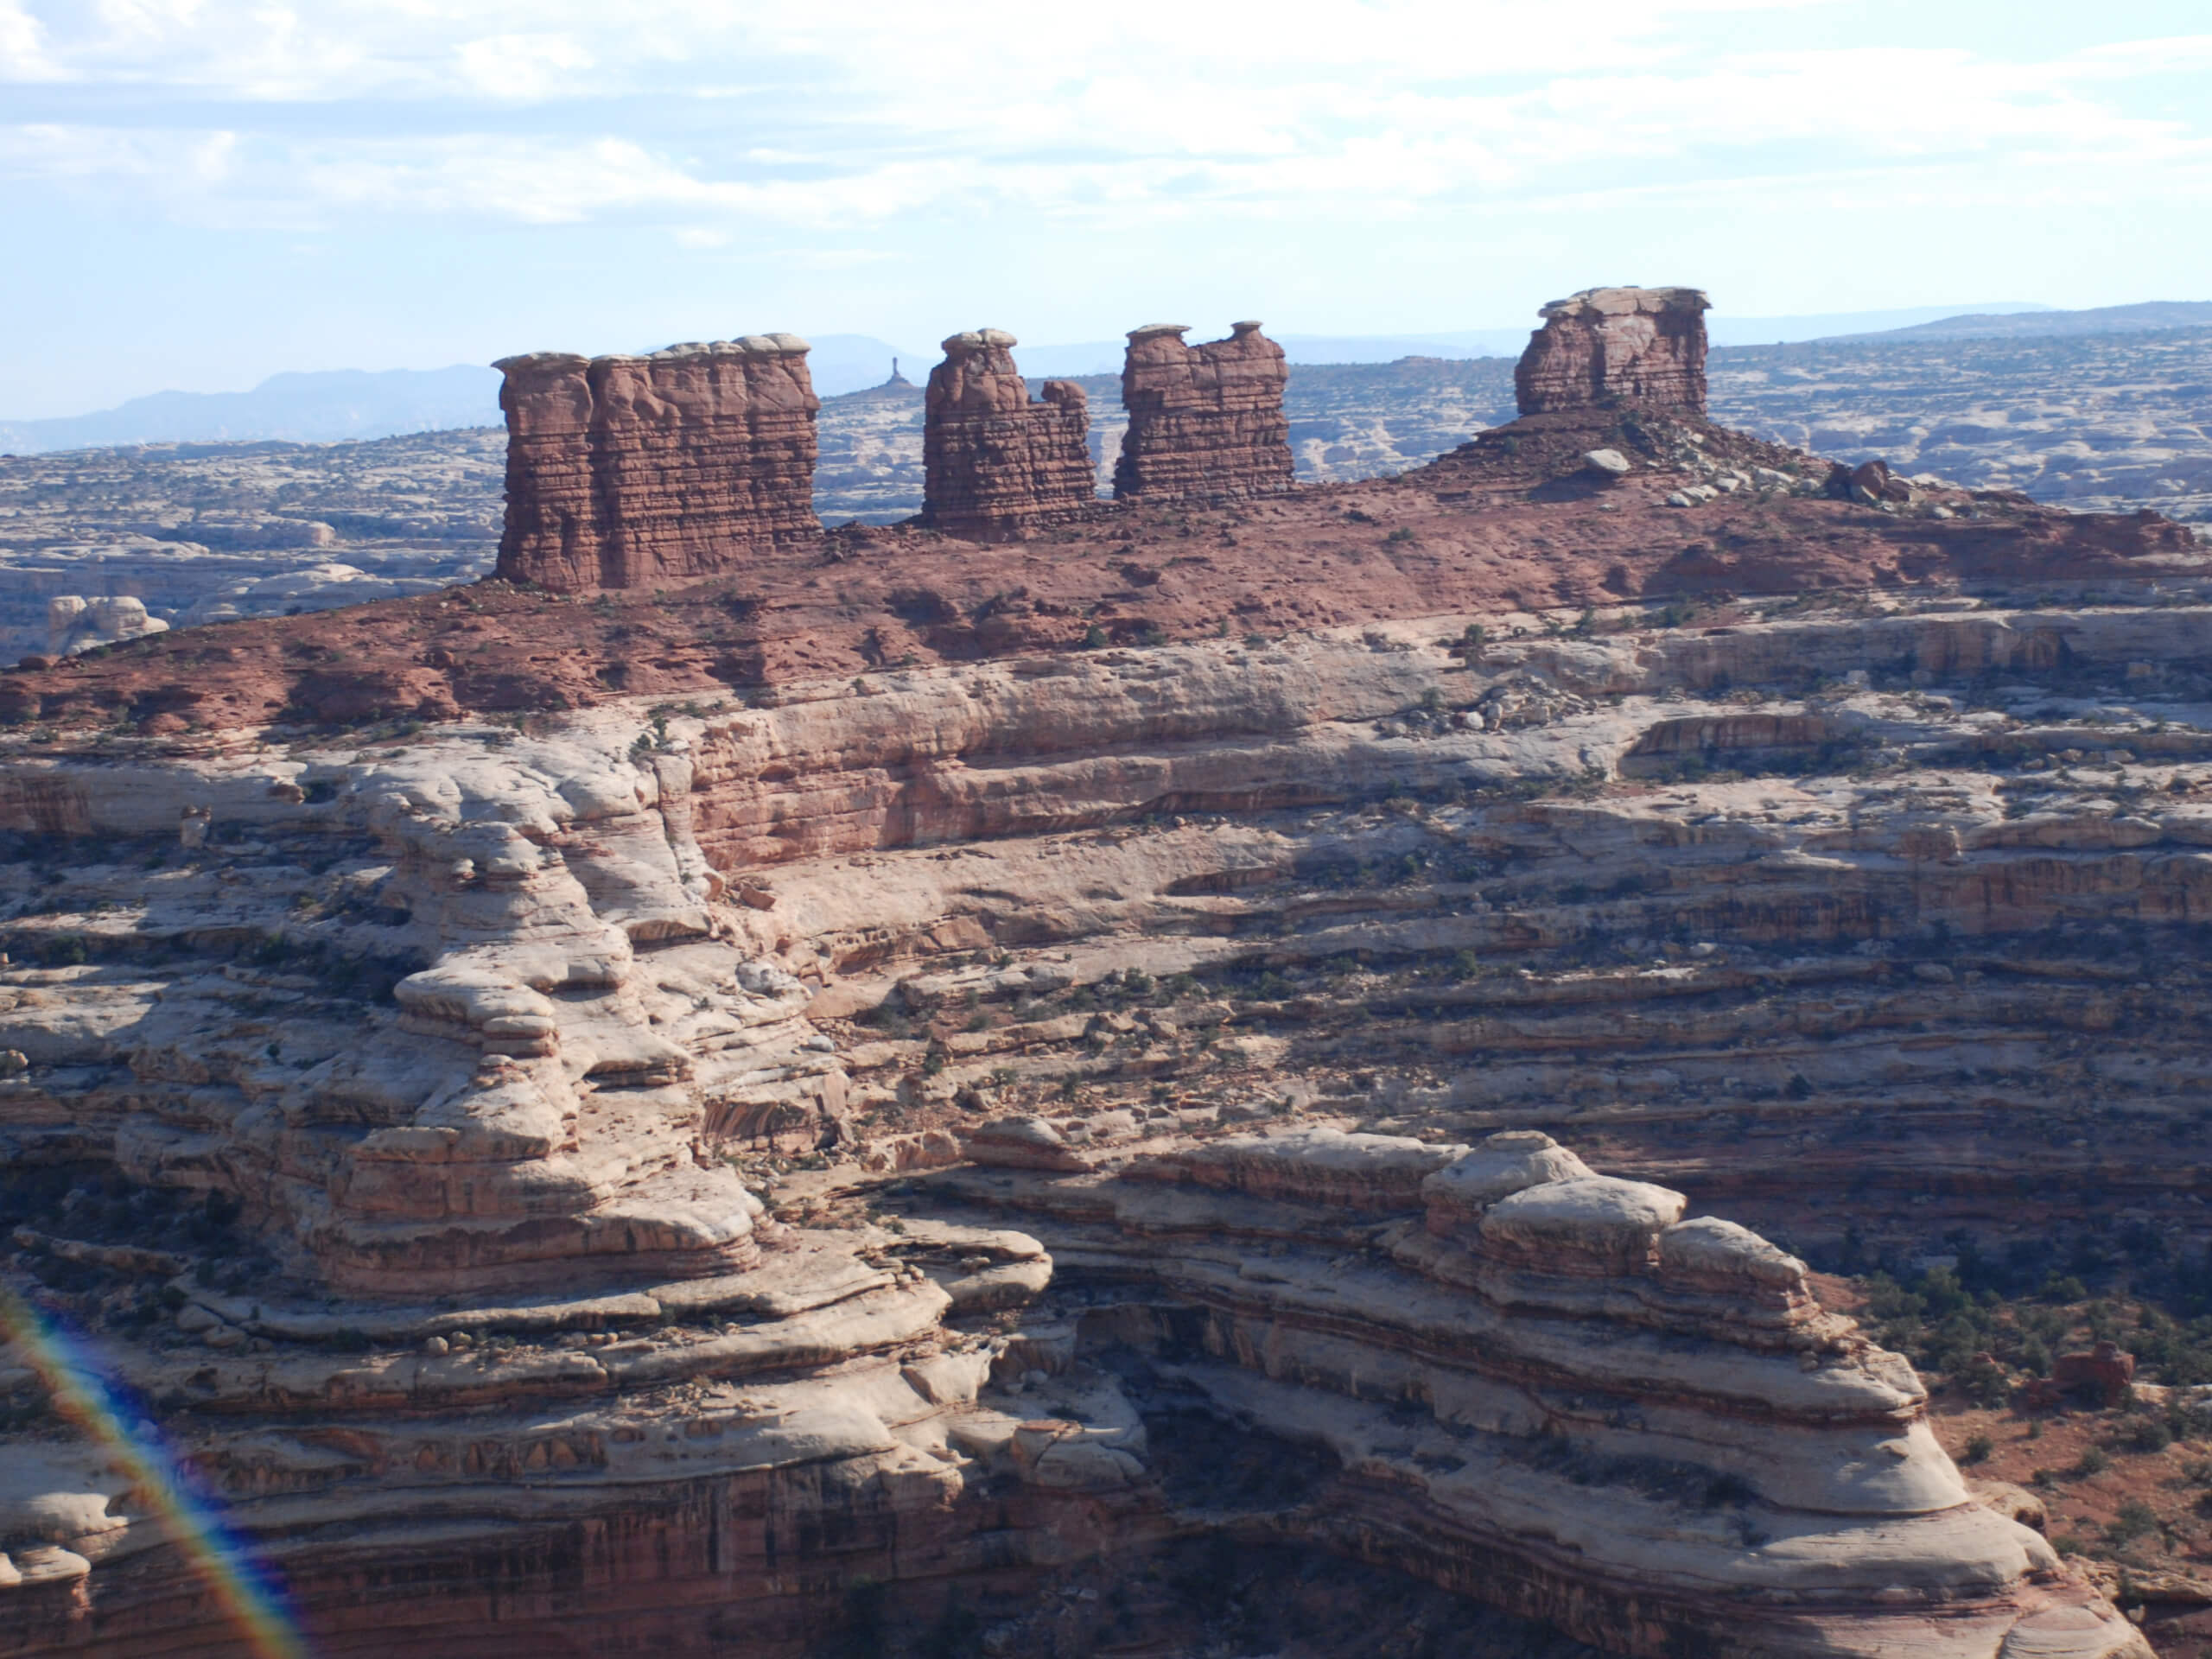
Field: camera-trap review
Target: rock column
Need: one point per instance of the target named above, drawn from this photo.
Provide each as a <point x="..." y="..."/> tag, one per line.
<point x="1608" y="346"/>
<point x="1205" y="421"/>
<point x="996" y="465"/>
<point x="623" y="472"/>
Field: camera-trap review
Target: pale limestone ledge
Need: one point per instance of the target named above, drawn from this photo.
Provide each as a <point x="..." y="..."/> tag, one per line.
<point x="1578" y="1374"/>
<point x="578" y="1007"/>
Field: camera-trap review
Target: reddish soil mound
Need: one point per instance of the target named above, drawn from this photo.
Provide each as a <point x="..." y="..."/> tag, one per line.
<point x="1514" y="520"/>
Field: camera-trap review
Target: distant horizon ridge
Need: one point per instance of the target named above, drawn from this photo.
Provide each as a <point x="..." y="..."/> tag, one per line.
<point x="328" y="405"/>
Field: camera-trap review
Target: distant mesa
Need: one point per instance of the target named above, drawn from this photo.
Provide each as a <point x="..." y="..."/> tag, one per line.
<point x="1609" y="345"/>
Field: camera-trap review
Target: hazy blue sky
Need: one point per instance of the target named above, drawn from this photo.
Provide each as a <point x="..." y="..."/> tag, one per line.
<point x="200" y="193"/>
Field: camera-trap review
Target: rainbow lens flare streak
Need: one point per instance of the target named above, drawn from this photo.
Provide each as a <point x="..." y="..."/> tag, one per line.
<point x="252" y="1599"/>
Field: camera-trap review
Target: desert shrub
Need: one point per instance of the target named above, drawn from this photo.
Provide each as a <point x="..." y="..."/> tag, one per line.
<point x="2134" y="1519"/>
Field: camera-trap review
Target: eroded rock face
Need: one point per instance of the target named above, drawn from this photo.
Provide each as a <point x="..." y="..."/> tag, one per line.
<point x="996" y="464"/>
<point x="623" y="472"/>
<point x="1546" y="1382"/>
<point x="1205" y="422"/>
<point x="519" y="1261"/>
<point x="1609" y="345"/>
<point x="599" y="1275"/>
<point x="75" y="623"/>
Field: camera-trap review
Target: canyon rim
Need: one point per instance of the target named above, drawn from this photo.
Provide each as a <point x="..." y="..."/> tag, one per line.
<point x="1046" y="1078"/>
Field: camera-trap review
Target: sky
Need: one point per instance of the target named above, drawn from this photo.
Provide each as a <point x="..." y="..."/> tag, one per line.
<point x="201" y="192"/>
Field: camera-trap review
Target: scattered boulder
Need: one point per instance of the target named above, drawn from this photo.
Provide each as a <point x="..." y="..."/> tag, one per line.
<point x="1022" y="1143"/>
<point x="2104" y="1374"/>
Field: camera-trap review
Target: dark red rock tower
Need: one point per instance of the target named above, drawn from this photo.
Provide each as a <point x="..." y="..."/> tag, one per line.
<point x="1609" y="345"/>
<point x="996" y="466"/>
<point x="1205" y="421"/>
<point x="623" y="472"/>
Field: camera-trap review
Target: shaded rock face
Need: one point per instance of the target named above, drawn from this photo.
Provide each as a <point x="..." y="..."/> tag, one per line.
<point x="1643" y="1430"/>
<point x="623" y="472"/>
<point x="1606" y="346"/>
<point x="996" y="465"/>
<point x="1205" y="421"/>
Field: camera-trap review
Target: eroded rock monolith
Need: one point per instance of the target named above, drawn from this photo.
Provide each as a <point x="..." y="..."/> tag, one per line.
<point x="1205" y="421"/>
<point x="1616" y="345"/>
<point x="996" y="464"/>
<point x="626" y="471"/>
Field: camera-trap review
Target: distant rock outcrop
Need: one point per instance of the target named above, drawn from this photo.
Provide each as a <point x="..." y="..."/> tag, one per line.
<point x="624" y="471"/>
<point x="1204" y="420"/>
<point x="75" y="623"/>
<point x="319" y="587"/>
<point x="995" y="464"/>
<point x="1616" y="345"/>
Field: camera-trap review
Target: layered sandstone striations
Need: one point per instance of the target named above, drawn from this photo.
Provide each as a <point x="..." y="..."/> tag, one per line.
<point x="623" y="471"/>
<point x="1543" y="1386"/>
<point x="1205" y="422"/>
<point x="692" y="1169"/>
<point x="1608" y="346"/>
<point x="996" y="464"/>
<point x="1534" y="1385"/>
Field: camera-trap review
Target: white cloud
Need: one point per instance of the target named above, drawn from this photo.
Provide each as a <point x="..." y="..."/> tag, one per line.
<point x="22" y="46"/>
<point x="714" y="119"/>
<point x="522" y="66"/>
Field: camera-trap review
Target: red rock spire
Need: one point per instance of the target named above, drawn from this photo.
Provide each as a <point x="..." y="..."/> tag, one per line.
<point x="1616" y="345"/>
<point x="1205" y="421"/>
<point x="996" y="465"/>
<point x="627" y="471"/>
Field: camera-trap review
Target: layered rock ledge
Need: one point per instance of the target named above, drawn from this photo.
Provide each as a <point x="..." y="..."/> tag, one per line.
<point x="678" y="1122"/>
<point x="556" y="1367"/>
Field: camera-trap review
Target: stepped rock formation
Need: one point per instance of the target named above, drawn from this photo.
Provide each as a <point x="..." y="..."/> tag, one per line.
<point x="975" y="1118"/>
<point x="1205" y="422"/>
<point x="996" y="465"/>
<point x="1608" y="346"/>
<point x="629" y="472"/>
<point x="1532" y="1384"/>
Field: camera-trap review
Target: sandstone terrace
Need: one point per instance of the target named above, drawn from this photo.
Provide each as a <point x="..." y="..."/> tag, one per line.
<point x="2105" y="422"/>
<point x="1511" y="521"/>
